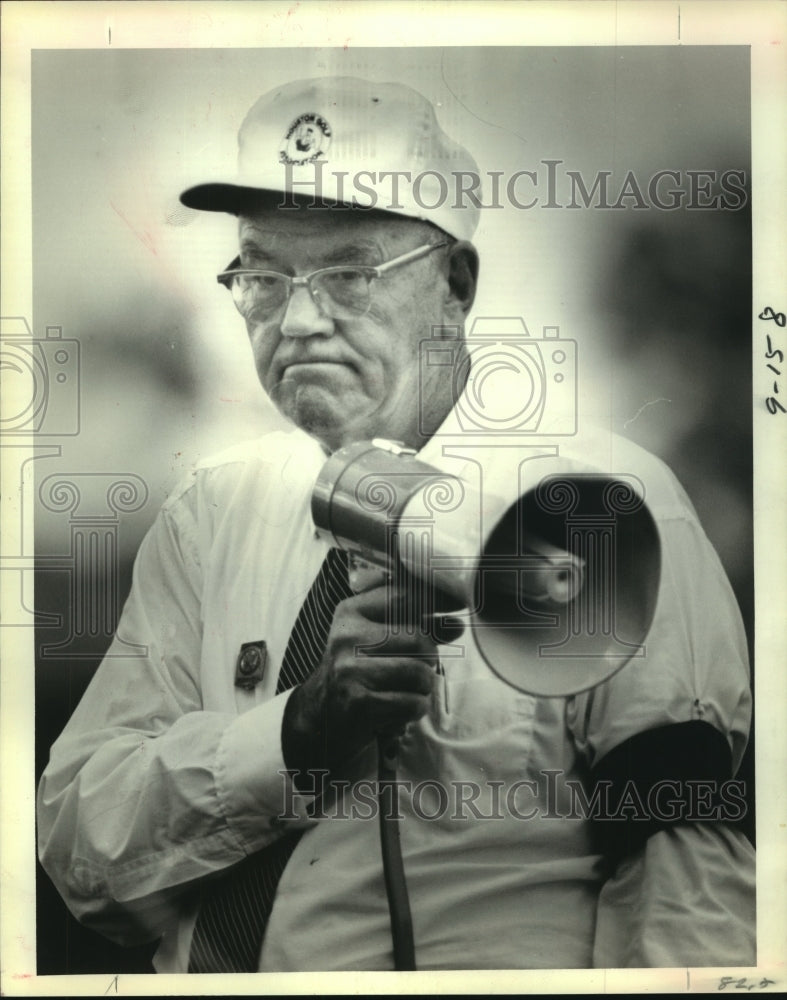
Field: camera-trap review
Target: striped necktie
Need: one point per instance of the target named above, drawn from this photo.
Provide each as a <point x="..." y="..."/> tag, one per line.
<point x="234" y="909"/>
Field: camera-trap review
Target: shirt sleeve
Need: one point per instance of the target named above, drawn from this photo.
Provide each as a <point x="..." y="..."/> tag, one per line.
<point x="693" y="664"/>
<point x="146" y="791"/>
<point x="686" y="899"/>
<point x="685" y="895"/>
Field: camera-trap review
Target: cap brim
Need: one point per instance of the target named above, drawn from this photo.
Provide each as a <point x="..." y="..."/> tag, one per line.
<point x="231" y="198"/>
<point x="235" y="198"/>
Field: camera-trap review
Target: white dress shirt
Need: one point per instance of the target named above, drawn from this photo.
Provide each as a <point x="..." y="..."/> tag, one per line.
<point x="168" y="772"/>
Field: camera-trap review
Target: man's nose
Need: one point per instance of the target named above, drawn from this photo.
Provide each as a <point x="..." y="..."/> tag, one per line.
<point x="303" y="317"/>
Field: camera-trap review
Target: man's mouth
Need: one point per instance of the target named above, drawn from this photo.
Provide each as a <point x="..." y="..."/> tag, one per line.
<point x="303" y="366"/>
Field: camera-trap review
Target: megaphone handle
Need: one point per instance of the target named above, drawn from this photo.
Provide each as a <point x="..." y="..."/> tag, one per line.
<point x="393" y="866"/>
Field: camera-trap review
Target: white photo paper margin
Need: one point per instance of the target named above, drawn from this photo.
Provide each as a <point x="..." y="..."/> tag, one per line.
<point x="119" y="26"/>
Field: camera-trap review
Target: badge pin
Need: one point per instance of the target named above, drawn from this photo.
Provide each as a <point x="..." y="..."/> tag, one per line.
<point x="250" y="667"/>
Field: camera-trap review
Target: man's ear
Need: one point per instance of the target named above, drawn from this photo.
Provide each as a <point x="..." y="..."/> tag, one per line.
<point x="462" y="276"/>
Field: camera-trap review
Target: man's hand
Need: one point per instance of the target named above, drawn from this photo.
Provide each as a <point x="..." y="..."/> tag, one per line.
<point x="353" y="696"/>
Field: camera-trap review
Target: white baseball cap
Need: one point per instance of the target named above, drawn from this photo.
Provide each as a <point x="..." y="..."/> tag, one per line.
<point x="350" y="141"/>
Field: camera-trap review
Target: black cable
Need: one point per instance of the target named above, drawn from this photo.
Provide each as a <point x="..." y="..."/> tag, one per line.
<point x="393" y="867"/>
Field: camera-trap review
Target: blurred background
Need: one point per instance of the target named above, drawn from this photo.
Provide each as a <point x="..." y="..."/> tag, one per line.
<point x="658" y="301"/>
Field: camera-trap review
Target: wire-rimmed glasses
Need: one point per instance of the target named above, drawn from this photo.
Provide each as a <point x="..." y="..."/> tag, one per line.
<point x="340" y="291"/>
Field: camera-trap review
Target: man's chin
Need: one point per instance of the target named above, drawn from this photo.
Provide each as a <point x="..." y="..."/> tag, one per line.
<point x="322" y="416"/>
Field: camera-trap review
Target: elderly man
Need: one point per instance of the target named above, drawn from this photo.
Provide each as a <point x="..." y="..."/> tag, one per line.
<point x="209" y="793"/>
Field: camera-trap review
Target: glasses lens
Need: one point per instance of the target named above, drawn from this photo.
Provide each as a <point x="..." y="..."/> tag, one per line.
<point x="344" y="287"/>
<point x="260" y="293"/>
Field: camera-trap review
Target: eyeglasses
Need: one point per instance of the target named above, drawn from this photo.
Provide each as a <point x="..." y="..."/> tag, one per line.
<point x="339" y="292"/>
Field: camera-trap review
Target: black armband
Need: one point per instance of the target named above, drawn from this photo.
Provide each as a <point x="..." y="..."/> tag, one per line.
<point x="660" y="778"/>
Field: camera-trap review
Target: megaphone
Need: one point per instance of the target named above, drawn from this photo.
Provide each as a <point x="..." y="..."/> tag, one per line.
<point x="558" y="576"/>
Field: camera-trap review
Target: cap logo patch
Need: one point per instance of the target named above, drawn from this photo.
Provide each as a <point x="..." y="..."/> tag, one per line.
<point x="306" y="140"/>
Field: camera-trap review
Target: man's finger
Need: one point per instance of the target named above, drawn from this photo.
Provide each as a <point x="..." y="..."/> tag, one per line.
<point x="394" y="603"/>
<point x="443" y="629"/>
<point x="391" y="710"/>
<point x="395" y="676"/>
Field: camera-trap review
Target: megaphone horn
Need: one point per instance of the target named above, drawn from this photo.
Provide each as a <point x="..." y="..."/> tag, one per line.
<point x="559" y="579"/>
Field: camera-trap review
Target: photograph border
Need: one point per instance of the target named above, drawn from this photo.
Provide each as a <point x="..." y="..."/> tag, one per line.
<point x="761" y="25"/>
